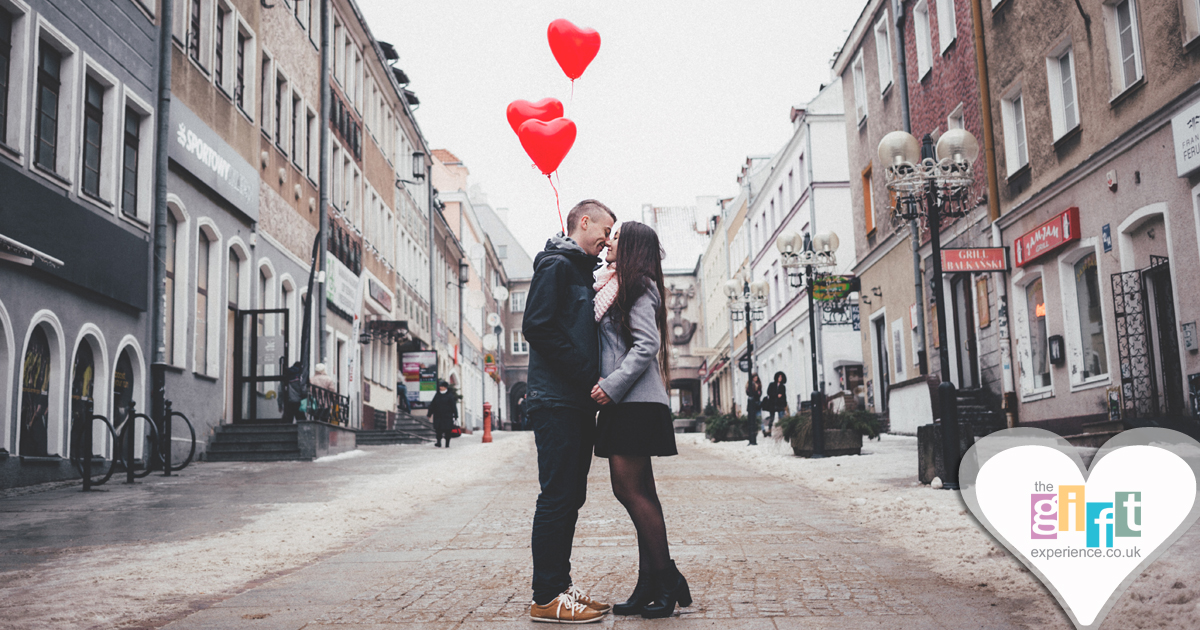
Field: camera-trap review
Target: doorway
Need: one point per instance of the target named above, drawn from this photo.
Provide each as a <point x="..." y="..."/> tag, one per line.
<point x="965" y="341"/>
<point x="261" y="350"/>
<point x="882" y="369"/>
<point x="83" y="399"/>
<point x="1160" y="301"/>
<point x="35" y="396"/>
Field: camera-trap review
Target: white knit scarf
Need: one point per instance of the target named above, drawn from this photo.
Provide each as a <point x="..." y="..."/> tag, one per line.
<point x="606" y="289"/>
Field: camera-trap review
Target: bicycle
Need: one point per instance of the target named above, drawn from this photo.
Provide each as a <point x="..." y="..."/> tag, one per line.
<point x="81" y="440"/>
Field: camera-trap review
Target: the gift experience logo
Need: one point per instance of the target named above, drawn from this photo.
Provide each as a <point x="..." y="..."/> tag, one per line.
<point x="1067" y="513"/>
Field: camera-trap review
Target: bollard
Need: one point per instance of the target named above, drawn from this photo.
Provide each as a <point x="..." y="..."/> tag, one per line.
<point x="951" y="453"/>
<point x="164" y="438"/>
<point x="487" y="423"/>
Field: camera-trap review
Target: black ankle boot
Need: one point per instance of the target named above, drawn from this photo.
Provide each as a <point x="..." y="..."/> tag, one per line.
<point x="643" y="594"/>
<point x="672" y="589"/>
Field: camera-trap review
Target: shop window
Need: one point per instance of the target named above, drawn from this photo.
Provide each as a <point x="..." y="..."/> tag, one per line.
<point x="35" y="396"/>
<point x="1035" y="304"/>
<point x="1093" y="352"/>
<point x="83" y="395"/>
<point x="169" y="303"/>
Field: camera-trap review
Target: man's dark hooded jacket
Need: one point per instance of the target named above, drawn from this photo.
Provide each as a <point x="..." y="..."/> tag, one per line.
<point x="560" y="326"/>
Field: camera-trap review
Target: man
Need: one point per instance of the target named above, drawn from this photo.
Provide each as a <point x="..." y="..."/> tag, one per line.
<point x="444" y="410"/>
<point x="564" y="364"/>
<point x="293" y="391"/>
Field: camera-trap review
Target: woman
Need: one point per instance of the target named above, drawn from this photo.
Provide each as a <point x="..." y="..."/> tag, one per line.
<point x="776" y="401"/>
<point x="635" y="416"/>
<point x="753" y="407"/>
<point x="444" y="409"/>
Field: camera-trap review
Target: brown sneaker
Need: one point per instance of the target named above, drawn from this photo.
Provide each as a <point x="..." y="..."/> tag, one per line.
<point x="582" y="598"/>
<point x="564" y="609"/>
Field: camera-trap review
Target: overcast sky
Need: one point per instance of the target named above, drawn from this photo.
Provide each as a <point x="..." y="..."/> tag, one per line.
<point x="680" y="93"/>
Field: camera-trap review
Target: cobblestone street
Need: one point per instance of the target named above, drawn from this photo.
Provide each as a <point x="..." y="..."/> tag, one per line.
<point x="759" y="553"/>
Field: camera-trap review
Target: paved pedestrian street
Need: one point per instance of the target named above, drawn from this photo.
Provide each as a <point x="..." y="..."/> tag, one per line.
<point x="759" y="552"/>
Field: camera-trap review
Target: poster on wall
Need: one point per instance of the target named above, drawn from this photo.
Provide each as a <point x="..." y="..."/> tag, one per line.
<point x="420" y="377"/>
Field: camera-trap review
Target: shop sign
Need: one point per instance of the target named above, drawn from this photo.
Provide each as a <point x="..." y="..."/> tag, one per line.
<point x="342" y="286"/>
<point x="831" y="288"/>
<point x="207" y="156"/>
<point x="704" y="369"/>
<point x="1048" y="236"/>
<point x="1185" y="131"/>
<point x="379" y="294"/>
<point x="975" y="259"/>
<point x="420" y="376"/>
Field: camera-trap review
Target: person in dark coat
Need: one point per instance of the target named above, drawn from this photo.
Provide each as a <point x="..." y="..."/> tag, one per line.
<point x="444" y="410"/>
<point x="754" y="394"/>
<point x="776" y="402"/>
<point x="292" y="393"/>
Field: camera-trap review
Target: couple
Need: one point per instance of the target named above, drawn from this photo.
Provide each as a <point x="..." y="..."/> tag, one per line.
<point x="599" y="343"/>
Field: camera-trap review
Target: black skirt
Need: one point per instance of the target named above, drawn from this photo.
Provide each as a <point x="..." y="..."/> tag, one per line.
<point x="635" y="428"/>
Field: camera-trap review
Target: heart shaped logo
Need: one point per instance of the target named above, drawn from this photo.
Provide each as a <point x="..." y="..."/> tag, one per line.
<point x="573" y="47"/>
<point x="547" y="143"/>
<point x="545" y="110"/>
<point x="1086" y="533"/>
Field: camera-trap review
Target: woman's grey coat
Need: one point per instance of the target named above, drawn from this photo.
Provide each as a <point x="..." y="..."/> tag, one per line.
<point x="633" y="374"/>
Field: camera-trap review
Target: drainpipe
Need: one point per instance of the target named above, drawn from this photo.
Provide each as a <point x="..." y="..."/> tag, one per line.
<point x="993" y="201"/>
<point x="158" y="322"/>
<point x="914" y="228"/>
<point x="323" y="210"/>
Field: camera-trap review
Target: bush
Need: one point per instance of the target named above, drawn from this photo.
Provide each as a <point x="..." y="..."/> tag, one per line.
<point x="861" y="422"/>
<point x="724" y="427"/>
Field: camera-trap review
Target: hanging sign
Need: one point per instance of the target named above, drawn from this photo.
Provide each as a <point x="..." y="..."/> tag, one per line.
<point x="1048" y="236"/>
<point x="975" y="259"/>
<point x="831" y="288"/>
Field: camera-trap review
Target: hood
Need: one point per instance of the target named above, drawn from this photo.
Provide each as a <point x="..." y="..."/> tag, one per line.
<point x="559" y="245"/>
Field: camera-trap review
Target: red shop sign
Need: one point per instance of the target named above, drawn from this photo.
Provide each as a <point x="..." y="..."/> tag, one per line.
<point x="1048" y="236"/>
<point x="975" y="259"/>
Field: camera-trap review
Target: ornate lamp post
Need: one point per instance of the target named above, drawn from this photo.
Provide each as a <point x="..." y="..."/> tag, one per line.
<point x="747" y="301"/>
<point x="930" y="186"/>
<point x="801" y="257"/>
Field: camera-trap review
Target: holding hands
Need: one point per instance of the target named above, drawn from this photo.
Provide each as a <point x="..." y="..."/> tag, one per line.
<point x="600" y="396"/>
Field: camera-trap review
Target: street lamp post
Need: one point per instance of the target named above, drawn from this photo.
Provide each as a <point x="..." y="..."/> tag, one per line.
<point x="747" y="300"/>
<point x="809" y="253"/>
<point x="934" y="184"/>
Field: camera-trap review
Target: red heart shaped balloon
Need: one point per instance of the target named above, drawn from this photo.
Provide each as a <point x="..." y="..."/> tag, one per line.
<point x="547" y="143"/>
<point x="573" y="47"/>
<point x="545" y="110"/>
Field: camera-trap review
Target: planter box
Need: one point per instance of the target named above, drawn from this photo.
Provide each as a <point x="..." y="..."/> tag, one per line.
<point x="837" y="442"/>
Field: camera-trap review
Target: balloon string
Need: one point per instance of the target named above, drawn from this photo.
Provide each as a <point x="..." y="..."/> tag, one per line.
<point x="571" y="98"/>
<point x="558" y="204"/>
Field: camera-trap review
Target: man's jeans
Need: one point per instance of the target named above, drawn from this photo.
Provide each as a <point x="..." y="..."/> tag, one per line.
<point x="564" y="443"/>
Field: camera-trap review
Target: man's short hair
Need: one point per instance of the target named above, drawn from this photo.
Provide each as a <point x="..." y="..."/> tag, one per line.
<point x="590" y="208"/>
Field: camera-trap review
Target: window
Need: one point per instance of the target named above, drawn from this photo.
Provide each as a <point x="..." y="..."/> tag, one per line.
<point x="169" y="302"/>
<point x="860" y="87"/>
<point x="313" y="145"/>
<point x="6" y="30"/>
<point x="955" y="119"/>
<point x="899" y="365"/>
<point x="219" y="48"/>
<point x="947" y="26"/>
<point x="519" y="345"/>
<point x="883" y="52"/>
<point x="1125" y="44"/>
<point x="245" y="72"/>
<point x="924" y="42"/>
<point x="129" y="163"/>
<point x="1191" y="20"/>
<point x="280" y="111"/>
<point x="1016" y="152"/>
<point x="1035" y="305"/>
<point x="201" y="357"/>
<point x="48" y="88"/>
<point x="1064" y="107"/>
<point x="868" y="202"/>
<point x="193" y="35"/>
<point x="516" y="302"/>
<point x="298" y="131"/>
<point x="268" y="79"/>
<point x="1094" y="356"/>
<point x="93" y="131"/>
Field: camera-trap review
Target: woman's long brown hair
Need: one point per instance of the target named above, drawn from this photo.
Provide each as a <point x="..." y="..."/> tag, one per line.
<point x="639" y="266"/>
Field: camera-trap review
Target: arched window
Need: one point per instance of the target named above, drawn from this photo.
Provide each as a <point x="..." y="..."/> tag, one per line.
<point x="35" y="395"/>
<point x="83" y="396"/>
<point x="202" y="282"/>
<point x="169" y="332"/>
<point x="123" y="386"/>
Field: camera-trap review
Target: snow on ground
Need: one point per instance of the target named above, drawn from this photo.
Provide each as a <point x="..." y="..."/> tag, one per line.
<point x="119" y="585"/>
<point x="329" y="459"/>
<point x="879" y="490"/>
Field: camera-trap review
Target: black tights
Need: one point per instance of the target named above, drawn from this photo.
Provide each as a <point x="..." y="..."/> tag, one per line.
<point x="633" y="485"/>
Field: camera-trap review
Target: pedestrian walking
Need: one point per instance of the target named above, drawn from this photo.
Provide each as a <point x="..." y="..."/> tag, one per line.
<point x="564" y="364"/>
<point x="754" y="394"/>
<point x="635" y="414"/>
<point x="292" y="393"/>
<point x="776" y="404"/>
<point x="444" y="411"/>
